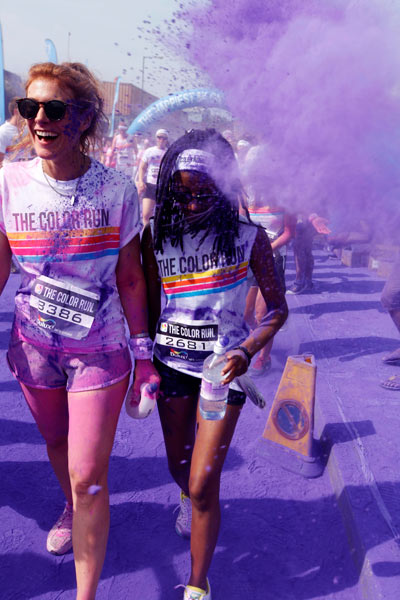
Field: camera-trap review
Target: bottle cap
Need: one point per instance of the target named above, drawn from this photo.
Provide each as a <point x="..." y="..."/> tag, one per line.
<point x="152" y="387"/>
<point x="221" y="344"/>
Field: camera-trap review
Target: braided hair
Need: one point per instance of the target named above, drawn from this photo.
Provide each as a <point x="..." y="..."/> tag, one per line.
<point x="222" y="220"/>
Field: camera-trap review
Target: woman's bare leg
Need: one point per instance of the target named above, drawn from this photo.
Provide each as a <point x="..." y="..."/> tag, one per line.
<point x="93" y="418"/>
<point x="50" y="411"/>
<point x="212" y="442"/>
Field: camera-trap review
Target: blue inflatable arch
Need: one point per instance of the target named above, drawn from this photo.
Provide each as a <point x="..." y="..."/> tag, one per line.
<point x="185" y="99"/>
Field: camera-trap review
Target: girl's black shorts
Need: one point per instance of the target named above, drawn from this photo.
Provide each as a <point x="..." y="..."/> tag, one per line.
<point x="175" y="383"/>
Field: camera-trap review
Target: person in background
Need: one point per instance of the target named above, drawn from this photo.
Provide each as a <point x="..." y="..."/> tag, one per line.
<point x="242" y="148"/>
<point x="74" y="226"/>
<point x="305" y="230"/>
<point x="148" y="174"/>
<point x="10" y="131"/>
<point x="391" y="302"/>
<point x="123" y="151"/>
<point x="280" y="228"/>
<point x="360" y="232"/>
<point x="229" y="136"/>
<point x="143" y="143"/>
<point x="202" y="251"/>
<point x="106" y="151"/>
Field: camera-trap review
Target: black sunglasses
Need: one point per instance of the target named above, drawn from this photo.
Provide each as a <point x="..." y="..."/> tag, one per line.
<point x="55" y="109"/>
<point x="182" y="197"/>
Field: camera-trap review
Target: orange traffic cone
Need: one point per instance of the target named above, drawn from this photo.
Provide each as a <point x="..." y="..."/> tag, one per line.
<point x="288" y="434"/>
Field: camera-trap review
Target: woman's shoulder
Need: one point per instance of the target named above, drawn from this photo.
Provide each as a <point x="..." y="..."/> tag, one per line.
<point x="108" y="174"/>
<point x="14" y="174"/>
<point x="22" y="165"/>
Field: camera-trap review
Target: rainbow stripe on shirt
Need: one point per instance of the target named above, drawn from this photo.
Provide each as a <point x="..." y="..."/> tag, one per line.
<point x="212" y="281"/>
<point x="59" y="246"/>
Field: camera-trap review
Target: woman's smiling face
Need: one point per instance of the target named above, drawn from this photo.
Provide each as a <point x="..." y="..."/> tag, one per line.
<point x="55" y="140"/>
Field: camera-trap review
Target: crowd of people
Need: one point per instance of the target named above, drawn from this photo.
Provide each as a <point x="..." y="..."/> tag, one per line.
<point x="188" y="244"/>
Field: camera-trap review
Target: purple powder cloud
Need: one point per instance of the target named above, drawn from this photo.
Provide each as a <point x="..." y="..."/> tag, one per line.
<point x="318" y="83"/>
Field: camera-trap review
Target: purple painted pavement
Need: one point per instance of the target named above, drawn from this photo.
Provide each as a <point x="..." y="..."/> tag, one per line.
<point x="282" y="537"/>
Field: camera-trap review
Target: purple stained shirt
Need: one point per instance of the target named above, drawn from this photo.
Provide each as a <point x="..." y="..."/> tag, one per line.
<point x="66" y="237"/>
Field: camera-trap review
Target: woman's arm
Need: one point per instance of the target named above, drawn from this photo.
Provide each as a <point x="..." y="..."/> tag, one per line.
<point x="152" y="280"/>
<point x="5" y="261"/>
<point x="132" y="291"/>
<point x="263" y="267"/>
<point x="141" y="175"/>
<point x="287" y="234"/>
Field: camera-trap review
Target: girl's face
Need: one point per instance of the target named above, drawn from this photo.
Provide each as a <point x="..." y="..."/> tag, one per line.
<point x="194" y="192"/>
<point x="55" y="140"/>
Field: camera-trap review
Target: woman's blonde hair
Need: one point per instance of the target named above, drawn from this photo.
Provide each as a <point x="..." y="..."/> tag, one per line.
<point x="86" y="91"/>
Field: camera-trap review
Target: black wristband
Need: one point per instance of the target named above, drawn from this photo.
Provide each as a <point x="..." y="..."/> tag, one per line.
<point x="246" y="353"/>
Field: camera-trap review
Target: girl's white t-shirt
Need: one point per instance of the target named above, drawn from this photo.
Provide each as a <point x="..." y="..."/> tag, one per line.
<point x="152" y="157"/>
<point x="205" y="297"/>
<point x="67" y="248"/>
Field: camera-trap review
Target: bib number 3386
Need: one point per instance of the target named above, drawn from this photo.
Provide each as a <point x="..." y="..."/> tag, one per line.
<point x="62" y="308"/>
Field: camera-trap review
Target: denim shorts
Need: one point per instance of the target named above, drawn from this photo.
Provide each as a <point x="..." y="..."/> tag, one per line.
<point x="47" y="368"/>
<point x="175" y="383"/>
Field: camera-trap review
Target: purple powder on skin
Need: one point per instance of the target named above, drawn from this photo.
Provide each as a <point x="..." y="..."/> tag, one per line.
<point x="93" y="490"/>
<point x="317" y="84"/>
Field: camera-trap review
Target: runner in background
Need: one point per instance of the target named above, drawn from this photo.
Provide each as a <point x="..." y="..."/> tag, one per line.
<point x="123" y="151"/>
<point x="142" y="143"/>
<point x="391" y="302"/>
<point x="73" y="226"/>
<point x="148" y="173"/>
<point x="280" y="227"/>
<point x="202" y="252"/>
<point x="106" y="151"/>
<point x="10" y="132"/>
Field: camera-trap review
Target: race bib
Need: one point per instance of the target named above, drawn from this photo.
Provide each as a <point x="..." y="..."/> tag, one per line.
<point x="187" y="342"/>
<point x="59" y="307"/>
<point x="153" y="174"/>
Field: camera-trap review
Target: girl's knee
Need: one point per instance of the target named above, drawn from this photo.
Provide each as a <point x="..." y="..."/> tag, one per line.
<point x="87" y="482"/>
<point x="204" y="491"/>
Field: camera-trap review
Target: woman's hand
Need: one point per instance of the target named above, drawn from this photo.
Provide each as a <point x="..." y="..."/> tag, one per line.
<point x="237" y="364"/>
<point x="145" y="372"/>
<point x="141" y="187"/>
<point x="320" y="225"/>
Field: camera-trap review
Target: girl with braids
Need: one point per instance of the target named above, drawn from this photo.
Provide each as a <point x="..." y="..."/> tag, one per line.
<point x="203" y="254"/>
<point x="73" y="225"/>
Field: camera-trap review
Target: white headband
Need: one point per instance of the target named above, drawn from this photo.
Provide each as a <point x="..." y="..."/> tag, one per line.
<point x="194" y="160"/>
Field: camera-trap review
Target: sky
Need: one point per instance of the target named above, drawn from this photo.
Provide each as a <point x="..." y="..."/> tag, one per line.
<point x="110" y="36"/>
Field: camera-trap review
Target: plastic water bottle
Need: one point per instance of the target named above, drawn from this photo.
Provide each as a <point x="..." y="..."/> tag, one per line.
<point x="143" y="408"/>
<point x="213" y="394"/>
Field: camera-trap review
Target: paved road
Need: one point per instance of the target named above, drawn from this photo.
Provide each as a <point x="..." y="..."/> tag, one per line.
<point x="282" y="537"/>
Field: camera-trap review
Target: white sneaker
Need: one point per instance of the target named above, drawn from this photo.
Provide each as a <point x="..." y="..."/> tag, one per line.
<point x="183" y="523"/>
<point x="59" y="540"/>
<point x="194" y="593"/>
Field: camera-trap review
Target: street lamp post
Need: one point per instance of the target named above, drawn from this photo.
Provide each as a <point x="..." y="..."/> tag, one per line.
<point x="143" y="66"/>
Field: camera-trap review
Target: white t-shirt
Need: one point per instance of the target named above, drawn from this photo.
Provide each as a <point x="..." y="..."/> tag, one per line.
<point x="67" y="253"/>
<point x="205" y="296"/>
<point x="8" y="136"/>
<point x="152" y="157"/>
<point x="124" y="154"/>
